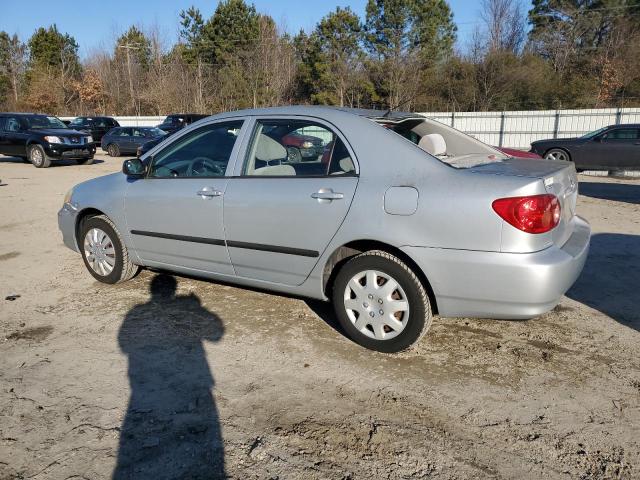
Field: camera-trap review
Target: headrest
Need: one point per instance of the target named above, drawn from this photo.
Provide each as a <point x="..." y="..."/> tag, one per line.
<point x="276" y="171"/>
<point x="434" y="144"/>
<point x="268" y="149"/>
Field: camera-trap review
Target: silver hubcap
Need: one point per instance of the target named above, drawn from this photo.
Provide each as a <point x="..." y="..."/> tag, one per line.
<point x="376" y="305"/>
<point x="556" y="155"/>
<point x="36" y="156"/>
<point x="99" y="251"/>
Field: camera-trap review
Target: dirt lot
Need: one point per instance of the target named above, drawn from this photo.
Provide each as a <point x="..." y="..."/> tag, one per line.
<point x="100" y="381"/>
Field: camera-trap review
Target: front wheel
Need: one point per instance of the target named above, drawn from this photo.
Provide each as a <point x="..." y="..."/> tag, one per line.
<point x="381" y="303"/>
<point x="103" y="252"/>
<point x="294" y="155"/>
<point x="38" y="157"/>
<point x="557" y="154"/>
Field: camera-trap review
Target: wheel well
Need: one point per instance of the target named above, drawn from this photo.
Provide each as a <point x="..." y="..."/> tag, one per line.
<point x="342" y="254"/>
<point x="82" y="217"/>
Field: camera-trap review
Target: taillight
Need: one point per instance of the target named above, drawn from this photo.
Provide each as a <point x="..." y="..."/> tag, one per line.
<point x="532" y="214"/>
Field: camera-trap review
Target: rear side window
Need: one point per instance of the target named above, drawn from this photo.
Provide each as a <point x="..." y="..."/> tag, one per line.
<point x="12" y="124"/>
<point x="296" y="148"/>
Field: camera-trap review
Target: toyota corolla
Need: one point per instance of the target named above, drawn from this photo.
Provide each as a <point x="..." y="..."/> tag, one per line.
<point x="392" y="225"/>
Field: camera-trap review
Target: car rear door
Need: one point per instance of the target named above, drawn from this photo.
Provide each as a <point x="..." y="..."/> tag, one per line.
<point x="280" y="216"/>
<point x="15" y="136"/>
<point x="174" y="214"/>
<point x="125" y="140"/>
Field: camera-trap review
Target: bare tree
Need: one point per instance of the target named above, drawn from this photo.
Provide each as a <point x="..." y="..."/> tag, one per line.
<point x="505" y="24"/>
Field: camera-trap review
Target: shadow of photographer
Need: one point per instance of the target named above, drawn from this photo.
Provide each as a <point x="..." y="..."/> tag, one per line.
<point x="171" y="428"/>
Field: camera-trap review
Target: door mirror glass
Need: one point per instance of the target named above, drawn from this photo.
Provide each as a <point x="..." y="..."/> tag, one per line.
<point x="133" y="168"/>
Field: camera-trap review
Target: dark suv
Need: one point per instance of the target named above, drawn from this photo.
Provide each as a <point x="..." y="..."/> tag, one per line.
<point x="96" y="126"/>
<point x="174" y="122"/>
<point x="43" y="138"/>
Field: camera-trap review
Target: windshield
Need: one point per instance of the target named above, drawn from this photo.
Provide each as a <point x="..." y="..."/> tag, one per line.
<point x="156" y="132"/>
<point x="594" y="134"/>
<point x="40" y="121"/>
<point x="172" y="119"/>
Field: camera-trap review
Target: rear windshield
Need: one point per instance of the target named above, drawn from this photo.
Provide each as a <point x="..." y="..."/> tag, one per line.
<point x="445" y="143"/>
<point x="41" y="122"/>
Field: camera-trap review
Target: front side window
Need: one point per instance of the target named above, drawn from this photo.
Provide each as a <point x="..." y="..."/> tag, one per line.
<point x="623" y="134"/>
<point x="41" y="122"/>
<point x="298" y="148"/>
<point x="205" y="152"/>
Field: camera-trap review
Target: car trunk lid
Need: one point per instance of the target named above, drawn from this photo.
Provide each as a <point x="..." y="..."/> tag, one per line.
<point x="558" y="178"/>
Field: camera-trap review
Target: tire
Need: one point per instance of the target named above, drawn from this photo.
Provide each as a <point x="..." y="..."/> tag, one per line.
<point x="122" y="269"/>
<point x="114" y="150"/>
<point x="557" y="154"/>
<point x="294" y="155"/>
<point x="85" y="161"/>
<point x="38" y="157"/>
<point x="409" y="325"/>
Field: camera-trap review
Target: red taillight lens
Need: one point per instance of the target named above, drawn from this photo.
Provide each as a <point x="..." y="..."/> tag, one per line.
<point x="533" y="214"/>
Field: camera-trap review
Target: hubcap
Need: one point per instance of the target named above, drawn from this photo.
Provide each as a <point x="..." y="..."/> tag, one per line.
<point x="556" y="155"/>
<point x="376" y="305"/>
<point x="99" y="252"/>
<point x="36" y="156"/>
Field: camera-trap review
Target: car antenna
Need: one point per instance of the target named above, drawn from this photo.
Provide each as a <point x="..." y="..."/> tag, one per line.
<point x="401" y="104"/>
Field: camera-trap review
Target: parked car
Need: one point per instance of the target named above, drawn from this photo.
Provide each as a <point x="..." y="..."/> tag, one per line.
<point x="126" y="140"/>
<point x="517" y="153"/>
<point x="41" y="139"/>
<point x="612" y="147"/>
<point x="96" y="126"/>
<point x="176" y="121"/>
<point x="390" y="233"/>
<point x="145" y="147"/>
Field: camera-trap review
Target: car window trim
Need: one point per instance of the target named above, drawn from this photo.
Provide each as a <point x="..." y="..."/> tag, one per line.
<point x="252" y="129"/>
<point x="188" y="130"/>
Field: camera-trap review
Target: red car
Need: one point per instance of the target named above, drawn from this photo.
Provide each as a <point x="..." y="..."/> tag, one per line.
<point x="512" y="152"/>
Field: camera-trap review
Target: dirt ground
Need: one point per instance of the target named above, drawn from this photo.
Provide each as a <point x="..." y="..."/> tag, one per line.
<point x="141" y="381"/>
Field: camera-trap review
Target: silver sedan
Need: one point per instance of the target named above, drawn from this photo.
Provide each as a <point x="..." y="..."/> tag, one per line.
<point x="394" y="218"/>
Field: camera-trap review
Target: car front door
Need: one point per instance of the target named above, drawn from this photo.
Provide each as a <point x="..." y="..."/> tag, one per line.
<point x="280" y="215"/>
<point x="174" y="214"/>
<point x="623" y="146"/>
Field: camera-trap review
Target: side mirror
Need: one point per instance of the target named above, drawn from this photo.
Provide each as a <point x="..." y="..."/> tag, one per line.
<point x="133" y="168"/>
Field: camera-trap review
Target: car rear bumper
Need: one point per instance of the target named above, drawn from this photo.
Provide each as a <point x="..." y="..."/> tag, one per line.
<point x="63" y="152"/>
<point x="67" y="225"/>
<point x="503" y="285"/>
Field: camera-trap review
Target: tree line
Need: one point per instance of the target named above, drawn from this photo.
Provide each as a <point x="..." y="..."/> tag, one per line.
<point x="401" y="55"/>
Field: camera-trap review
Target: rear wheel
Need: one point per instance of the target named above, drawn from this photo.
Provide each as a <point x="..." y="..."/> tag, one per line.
<point x="85" y="161"/>
<point x="557" y="154"/>
<point x="380" y="302"/>
<point x="103" y="252"/>
<point x="38" y="157"/>
<point x="113" y="150"/>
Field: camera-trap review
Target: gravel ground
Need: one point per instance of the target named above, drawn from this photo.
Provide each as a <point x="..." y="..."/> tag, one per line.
<point x="173" y="377"/>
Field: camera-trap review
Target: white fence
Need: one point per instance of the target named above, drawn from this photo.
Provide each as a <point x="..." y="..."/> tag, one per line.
<point x="504" y="129"/>
<point x="519" y="129"/>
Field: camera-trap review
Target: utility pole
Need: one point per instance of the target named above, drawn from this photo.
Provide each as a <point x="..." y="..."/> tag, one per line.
<point x="128" y="47"/>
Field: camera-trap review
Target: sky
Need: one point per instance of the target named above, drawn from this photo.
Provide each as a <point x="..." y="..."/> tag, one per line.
<point x="96" y="24"/>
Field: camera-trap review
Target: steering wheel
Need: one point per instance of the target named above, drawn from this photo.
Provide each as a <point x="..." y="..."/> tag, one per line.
<point x="201" y="166"/>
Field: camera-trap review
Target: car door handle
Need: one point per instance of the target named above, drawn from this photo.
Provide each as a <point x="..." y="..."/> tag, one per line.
<point x="327" y="194"/>
<point x="209" y="193"/>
